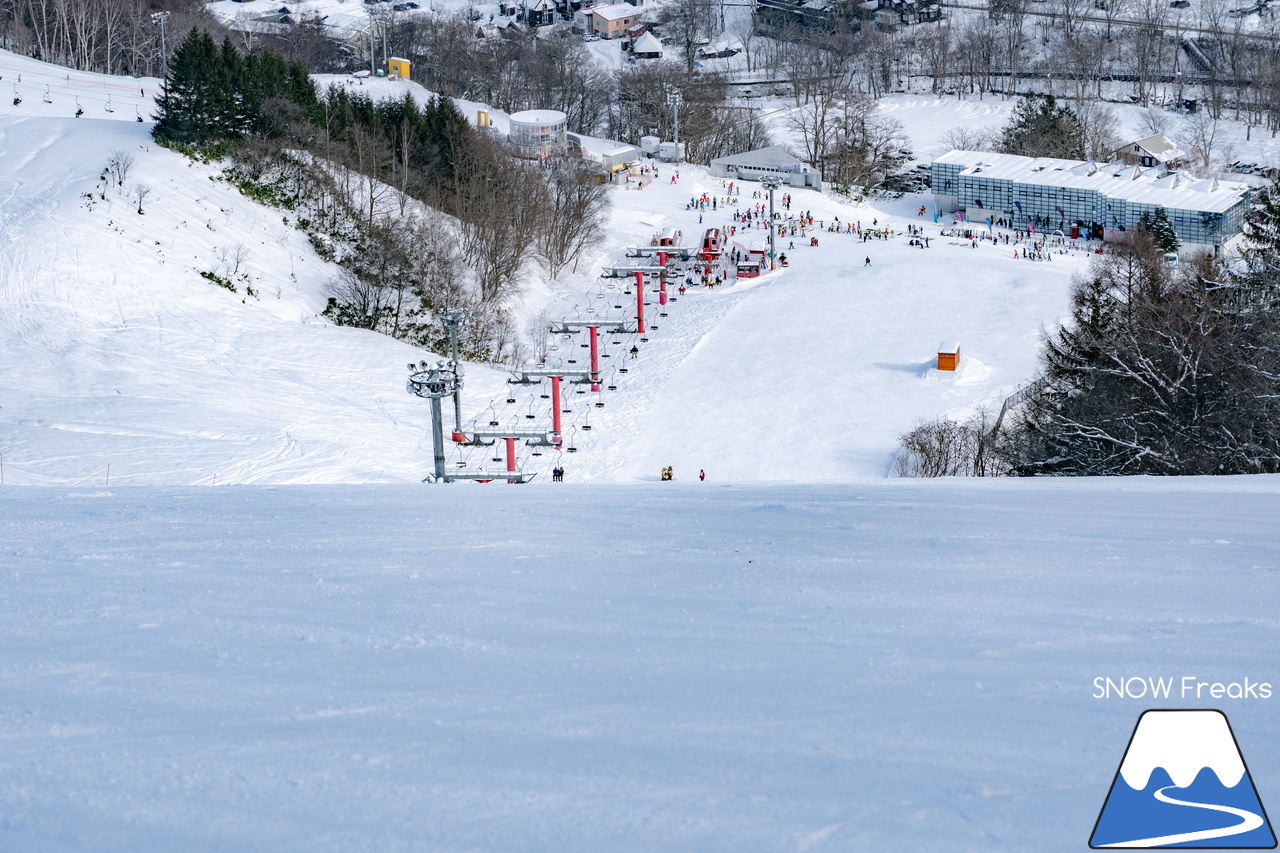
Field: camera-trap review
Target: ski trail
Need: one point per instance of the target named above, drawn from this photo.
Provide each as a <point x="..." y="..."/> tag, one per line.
<point x="1248" y="821"/>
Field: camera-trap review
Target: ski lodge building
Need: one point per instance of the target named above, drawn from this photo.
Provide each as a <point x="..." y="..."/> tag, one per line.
<point x="1086" y="199"/>
<point x="774" y="160"/>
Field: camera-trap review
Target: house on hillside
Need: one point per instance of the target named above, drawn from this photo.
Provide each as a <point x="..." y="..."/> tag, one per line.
<point x="541" y="13"/>
<point x="608" y="22"/>
<point x="1156" y="150"/>
<point x="891" y="14"/>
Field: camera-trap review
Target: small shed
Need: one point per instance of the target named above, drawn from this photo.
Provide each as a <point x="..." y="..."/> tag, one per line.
<point x="398" y="67"/>
<point x="948" y="355"/>
<point x="647" y="47"/>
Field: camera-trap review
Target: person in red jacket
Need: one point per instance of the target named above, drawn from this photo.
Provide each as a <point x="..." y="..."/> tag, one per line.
<point x="702" y="475"/>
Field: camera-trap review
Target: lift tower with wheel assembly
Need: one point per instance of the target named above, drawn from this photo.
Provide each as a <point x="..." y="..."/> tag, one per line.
<point x="434" y="383"/>
<point x="771" y="183"/>
<point x="453" y="320"/>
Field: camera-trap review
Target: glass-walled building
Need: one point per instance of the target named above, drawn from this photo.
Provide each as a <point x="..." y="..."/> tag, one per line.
<point x="538" y="133"/>
<point x="1094" y="200"/>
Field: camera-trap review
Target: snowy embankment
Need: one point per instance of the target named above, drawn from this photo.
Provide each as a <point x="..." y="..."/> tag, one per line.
<point x="890" y="666"/>
<point x="116" y="353"/>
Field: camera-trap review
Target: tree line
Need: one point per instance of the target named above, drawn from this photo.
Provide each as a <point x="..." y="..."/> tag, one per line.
<point x="422" y="211"/>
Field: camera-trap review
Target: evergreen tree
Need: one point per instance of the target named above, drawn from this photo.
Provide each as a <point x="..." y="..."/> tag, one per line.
<point x="1160" y="372"/>
<point x="1161" y="229"/>
<point x="1261" y="229"/>
<point x="188" y="107"/>
<point x="213" y="93"/>
<point x="1040" y="127"/>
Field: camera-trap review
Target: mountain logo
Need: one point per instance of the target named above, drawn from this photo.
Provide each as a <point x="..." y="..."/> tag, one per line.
<point x="1183" y="783"/>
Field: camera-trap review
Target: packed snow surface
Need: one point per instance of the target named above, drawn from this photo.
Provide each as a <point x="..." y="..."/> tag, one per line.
<point x="894" y="665"/>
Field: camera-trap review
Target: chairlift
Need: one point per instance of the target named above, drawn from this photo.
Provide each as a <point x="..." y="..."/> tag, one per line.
<point x="49" y="100"/>
<point x="599" y="404"/>
<point x="511" y="399"/>
<point x="573" y="361"/>
<point x="644" y="340"/>
<point x="107" y="106"/>
<point x="622" y="370"/>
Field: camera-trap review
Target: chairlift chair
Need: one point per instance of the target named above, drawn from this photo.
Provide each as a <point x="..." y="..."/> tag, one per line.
<point x="49" y="100"/>
<point x="107" y="106"/>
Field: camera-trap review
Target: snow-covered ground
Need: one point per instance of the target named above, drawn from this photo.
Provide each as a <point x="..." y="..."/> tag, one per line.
<point x="732" y="665"/>
<point x="118" y="354"/>
<point x="115" y="352"/>
<point x="898" y="665"/>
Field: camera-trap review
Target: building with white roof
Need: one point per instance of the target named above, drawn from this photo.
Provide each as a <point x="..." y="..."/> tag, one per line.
<point x="1102" y="200"/>
<point x="538" y="133"/>
<point x="647" y="47"/>
<point x="610" y="155"/>
<point x="774" y="160"/>
<point x="611" y="21"/>
<point x="1153" y="151"/>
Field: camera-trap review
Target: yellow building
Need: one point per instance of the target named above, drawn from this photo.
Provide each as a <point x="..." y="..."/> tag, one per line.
<point x="397" y="67"/>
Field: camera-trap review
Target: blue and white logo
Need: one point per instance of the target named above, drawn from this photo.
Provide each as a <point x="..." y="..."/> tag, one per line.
<point x="1183" y="783"/>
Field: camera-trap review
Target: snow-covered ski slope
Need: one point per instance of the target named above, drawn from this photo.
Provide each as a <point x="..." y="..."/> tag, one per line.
<point x="811" y="373"/>
<point x="118" y="355"/>
<point x="114" y="351"/>
<point x="892" y="665"/>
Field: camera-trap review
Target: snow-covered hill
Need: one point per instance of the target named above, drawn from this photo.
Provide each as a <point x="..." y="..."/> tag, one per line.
<point x="897" y="665"/>
<point x="115" y="351"/>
